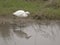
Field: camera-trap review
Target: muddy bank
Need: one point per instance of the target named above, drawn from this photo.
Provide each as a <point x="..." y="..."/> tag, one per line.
<point x="9" y="19"/>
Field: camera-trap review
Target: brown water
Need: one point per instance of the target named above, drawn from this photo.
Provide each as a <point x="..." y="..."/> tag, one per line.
<point x="33" y="34"/>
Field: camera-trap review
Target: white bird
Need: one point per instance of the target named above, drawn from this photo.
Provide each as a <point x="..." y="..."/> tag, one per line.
<point x="21" y="13"/>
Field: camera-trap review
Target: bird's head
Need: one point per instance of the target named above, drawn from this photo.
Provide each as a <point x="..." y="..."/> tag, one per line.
<point x="27" y="12"/>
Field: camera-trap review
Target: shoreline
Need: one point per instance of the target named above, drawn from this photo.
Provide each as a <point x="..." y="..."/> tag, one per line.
<point x="10" y="20"/>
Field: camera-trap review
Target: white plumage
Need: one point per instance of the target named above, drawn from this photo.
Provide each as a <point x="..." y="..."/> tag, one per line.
<point x="21" y="13"/>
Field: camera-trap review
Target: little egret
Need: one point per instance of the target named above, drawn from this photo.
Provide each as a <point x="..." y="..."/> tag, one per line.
<point x="21" y="13"/>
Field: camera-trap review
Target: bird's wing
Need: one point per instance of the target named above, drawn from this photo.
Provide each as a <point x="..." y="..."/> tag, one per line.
<point x="18" y="13"/>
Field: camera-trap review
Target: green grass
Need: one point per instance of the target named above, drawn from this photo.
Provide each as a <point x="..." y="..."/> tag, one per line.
<point x="12" y="5"/>
<point x="7" y="7"/>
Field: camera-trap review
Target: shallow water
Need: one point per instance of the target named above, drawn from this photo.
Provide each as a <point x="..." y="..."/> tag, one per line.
<point x="33" y="34"/>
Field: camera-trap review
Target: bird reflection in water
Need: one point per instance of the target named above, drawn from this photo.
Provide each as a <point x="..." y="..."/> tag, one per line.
<point x="21" y="34"/>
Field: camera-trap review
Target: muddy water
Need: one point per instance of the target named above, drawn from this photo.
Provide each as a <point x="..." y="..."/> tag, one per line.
<point x="33" y="34"/>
